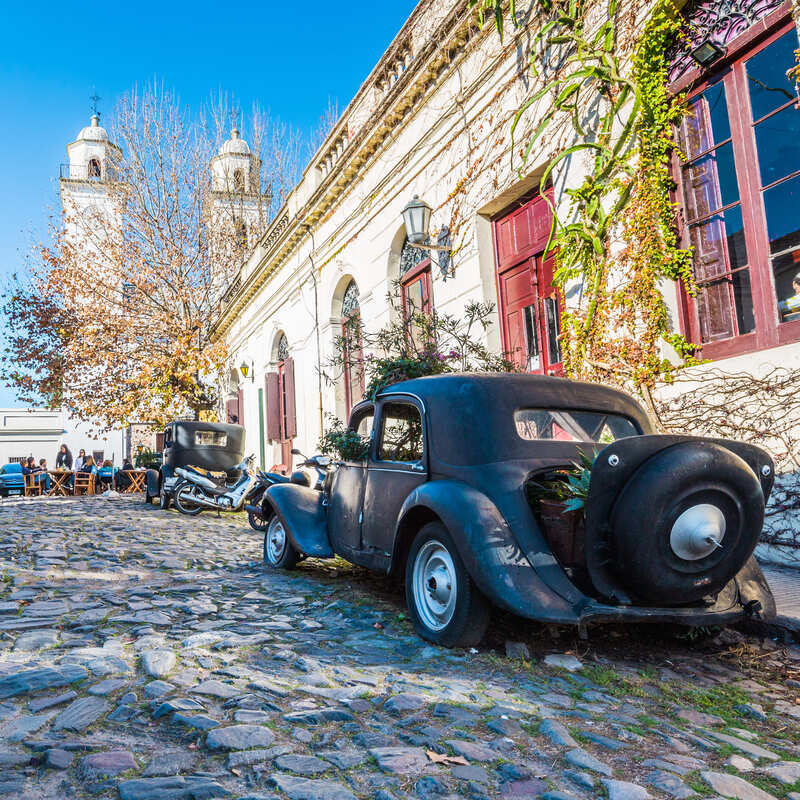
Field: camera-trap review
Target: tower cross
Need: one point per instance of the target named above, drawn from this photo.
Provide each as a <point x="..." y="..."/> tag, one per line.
<point x="94" y="97"/>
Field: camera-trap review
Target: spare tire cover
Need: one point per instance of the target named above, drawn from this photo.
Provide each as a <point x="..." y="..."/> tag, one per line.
<point x="686" y="523"/>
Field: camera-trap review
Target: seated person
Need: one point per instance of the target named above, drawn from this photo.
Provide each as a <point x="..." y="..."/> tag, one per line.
<point x="88" y="467"/>
<point x="41" y="477"/>
<point x="106" y="474"/>
<point x="123" y="479"/>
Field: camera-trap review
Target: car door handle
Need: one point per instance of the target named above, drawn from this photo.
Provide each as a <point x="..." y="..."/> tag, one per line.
<point x="418" y="467"/>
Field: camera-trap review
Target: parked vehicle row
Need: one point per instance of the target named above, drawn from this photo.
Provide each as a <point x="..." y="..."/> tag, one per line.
<point x="443" y="499"/>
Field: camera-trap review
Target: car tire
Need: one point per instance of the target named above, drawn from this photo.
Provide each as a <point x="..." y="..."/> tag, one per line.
<point x="278" y="550"/>
<point x="188" y="509"/>
<point x="686" y="523"/>
<point x="164" y="500"/>
<point x="445" y="605"/>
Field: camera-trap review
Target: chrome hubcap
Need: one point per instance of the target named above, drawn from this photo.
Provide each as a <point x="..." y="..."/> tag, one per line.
<point x="697" y="532"/>
<point x="276" y="541"/>
<point x="434" y="585"/>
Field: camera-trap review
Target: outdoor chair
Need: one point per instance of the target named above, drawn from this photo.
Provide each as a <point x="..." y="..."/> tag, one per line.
<point x="84" y="483"/>
<point x="33" y="484"/>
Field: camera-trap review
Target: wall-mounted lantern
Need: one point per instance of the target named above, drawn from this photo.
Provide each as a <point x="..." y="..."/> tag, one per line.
<point x="417" y="220"/>
<point x="707" y="53"/>
<point x="246" y="369"/>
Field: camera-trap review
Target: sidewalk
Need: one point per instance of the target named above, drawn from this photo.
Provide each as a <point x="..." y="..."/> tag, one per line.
<point x="785" y="585"/>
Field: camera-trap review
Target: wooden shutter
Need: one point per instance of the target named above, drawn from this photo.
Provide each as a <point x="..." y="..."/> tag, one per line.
<point x="272" y="386"/>
<point x="291" y="413"/>
<point x="240" y="405"/>
<point x="232" y="411"/>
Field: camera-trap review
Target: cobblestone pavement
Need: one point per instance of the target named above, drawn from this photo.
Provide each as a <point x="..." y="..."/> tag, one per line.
<point x="147" y="656"/>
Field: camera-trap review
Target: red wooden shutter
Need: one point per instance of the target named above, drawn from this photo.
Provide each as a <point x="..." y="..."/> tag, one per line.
<point x="232" y="411"/>
<point x="240" y="405"/>
<point x="273" y="406"/>
<point x="291" y="413"/>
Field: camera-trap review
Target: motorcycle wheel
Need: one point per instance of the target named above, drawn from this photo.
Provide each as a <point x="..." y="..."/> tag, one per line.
<point x="257" y="522"/>
<point x="185" y="506"/>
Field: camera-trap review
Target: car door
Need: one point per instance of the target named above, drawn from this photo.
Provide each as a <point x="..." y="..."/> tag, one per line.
<point x="398" y="464"/>
<point x="347" y="492"/>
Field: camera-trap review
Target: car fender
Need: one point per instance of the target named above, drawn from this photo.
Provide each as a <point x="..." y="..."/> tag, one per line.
<point x="302" y="512"/>
<point x="487" y="546"/>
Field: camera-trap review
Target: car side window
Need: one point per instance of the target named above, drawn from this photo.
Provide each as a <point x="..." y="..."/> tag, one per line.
<point x="401" y="433"/>
<point x="364" y="428"/>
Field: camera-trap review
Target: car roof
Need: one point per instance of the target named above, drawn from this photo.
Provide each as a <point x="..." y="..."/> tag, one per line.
<point x="472" y="415"/>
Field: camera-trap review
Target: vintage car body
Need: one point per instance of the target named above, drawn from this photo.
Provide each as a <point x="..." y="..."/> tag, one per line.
<point x="469" y="480"/>
<point x="12" y="481"/>
<point x="211" y="446"/>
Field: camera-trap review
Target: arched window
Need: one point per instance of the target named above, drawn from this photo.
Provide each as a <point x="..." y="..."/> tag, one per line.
<point x="283" y="348"/>
<point x="238" y="180"/>
<point x="411" y="256"/>
<point x="94" y="168"/>
<point x="353" y="353"/>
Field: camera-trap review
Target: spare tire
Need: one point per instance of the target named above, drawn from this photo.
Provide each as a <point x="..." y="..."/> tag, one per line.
<point x="685" y="523"/>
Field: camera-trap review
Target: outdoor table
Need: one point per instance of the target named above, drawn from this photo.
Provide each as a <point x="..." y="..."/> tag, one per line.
<point x="137" y="478"/>
<point x="61" y="482"/>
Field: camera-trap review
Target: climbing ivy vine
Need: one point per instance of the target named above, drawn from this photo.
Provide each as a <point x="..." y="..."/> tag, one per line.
<point x="603" y="93"/>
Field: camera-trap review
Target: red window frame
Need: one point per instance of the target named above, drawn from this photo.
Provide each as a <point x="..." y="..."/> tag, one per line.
<point x="420" y="271"/>
<point x="768" y="331"/>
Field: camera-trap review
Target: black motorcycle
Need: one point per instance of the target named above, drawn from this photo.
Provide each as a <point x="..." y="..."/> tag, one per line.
<point x="255" y="514"/>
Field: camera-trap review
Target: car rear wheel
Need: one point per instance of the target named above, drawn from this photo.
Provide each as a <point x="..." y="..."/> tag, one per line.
<point x="445" y="605"/>
<point x="278" y="550"/>
<point x="686" y="523"/>
<point x="183" y="500"/>
<point x="164" y="500"/>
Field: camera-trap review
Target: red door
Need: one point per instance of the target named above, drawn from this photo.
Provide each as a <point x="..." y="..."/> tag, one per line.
<point x="529" y="305"/>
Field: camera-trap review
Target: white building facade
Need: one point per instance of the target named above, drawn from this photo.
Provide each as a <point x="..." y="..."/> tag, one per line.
<point x="40" y="433"/>
<point x="433" y="119"/>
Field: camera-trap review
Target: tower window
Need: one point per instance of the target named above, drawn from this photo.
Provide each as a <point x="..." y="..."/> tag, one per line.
<point x="94" y="168"/>
<point x="241" y="233"/>
<point x="238" y="180"/>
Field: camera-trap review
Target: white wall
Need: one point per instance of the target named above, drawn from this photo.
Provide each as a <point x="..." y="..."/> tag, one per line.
<point x="40" y="433"/>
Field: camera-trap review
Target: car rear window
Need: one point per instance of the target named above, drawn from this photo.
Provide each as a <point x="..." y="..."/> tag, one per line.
<point x="538" y="424"/>
<point x="210" y="439"/>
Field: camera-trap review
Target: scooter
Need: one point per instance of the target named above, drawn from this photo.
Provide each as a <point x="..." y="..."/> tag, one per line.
<point x="311" y="472"/>
<point x="256" y="498"/>
<point x="198" y="491"/>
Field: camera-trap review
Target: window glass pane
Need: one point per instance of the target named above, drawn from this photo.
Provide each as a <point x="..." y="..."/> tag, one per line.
<point x="770" y="87"/>
<point x="724" y="301"/>
<point x="706" y="122"/>
<point x="531" y="338"/>
<point x="719" y="244"/>
<point x="553" y="330"/>
<point x="778" y="143"/>
<point x="782" y="205"/>
<point x="786" y="269"/>
<point x="364" y="428"/>
<point x="415" y="297"/>
<point x="536" y="424"/>
<point x="401" y="435"/>
<point x="210" y="439"/>
<point x="710" y="182"/>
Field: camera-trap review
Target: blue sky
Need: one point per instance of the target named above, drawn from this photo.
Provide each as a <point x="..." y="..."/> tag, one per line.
<point x="290" y="57"/>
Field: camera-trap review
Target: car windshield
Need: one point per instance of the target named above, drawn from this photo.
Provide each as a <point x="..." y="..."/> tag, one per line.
<point x="537" y="424"/>
<point x="210" y="439"/>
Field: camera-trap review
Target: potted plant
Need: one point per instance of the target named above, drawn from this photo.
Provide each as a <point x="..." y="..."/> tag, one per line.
<point x="558" y="501"/>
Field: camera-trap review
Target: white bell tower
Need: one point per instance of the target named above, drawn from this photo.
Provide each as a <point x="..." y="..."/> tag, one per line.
<point x="85" y="179"/>
<point x="237" y="199"/>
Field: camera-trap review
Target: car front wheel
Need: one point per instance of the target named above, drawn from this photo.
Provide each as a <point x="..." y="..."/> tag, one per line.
<point x="278" y="550"/>
<point x="446" y="606"/>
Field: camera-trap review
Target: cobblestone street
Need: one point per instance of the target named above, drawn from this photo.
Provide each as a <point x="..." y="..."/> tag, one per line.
<point x="149" y="656"/>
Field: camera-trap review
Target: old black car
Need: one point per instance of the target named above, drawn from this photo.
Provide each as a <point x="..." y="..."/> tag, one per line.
<point x="211" y="446"/>
<point x="443" y="497"/>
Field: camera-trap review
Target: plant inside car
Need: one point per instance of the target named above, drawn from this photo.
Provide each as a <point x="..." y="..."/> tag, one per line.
<point x="342" y="443"/>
